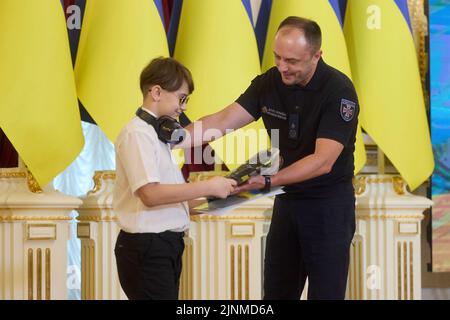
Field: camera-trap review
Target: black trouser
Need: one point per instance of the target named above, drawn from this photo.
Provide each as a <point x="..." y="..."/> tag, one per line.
<point x="149" y="264"/>
<point x="309" y="238"/>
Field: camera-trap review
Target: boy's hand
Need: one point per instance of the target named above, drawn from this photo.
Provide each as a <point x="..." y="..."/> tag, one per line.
<point x="221" y="187"/>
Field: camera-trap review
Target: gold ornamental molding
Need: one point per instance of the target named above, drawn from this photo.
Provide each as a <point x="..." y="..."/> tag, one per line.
<point x="205" y="217"/>
<point x="247" y="272"/>
<point x="33" y="185"/>
<point x="239" y="253"/>
<point x="99" y="176"/>
<point x="48" y="273"/>
<point x="360" y="184"/>
<point x="39" y="274"/>
<point x="411" y="271"/>
<point x="399" y="185"/>
<point x="232" y="271"/>
<point x="35" y="218"/>
<point x="12" y="175"/>
<point x="30" y="274"/>
<point x="388" y="216"/>
<point x="97" y="219"/>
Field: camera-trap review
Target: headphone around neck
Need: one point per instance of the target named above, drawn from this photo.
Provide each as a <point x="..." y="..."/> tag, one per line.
<point x="167" y="128"/>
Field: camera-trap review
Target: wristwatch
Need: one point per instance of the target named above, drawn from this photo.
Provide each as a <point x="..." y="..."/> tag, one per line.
<point x="267" y="184"/>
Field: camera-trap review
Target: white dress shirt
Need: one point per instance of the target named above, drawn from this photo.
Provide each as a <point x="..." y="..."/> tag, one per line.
<point x="142" y="158"/>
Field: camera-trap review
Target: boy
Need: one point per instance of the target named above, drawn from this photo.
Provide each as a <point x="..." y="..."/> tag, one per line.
<point x="150" y="195"/>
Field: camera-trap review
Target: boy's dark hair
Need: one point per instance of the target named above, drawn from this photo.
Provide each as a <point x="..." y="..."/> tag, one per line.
<point x="167" y="73"/>
<point x="311" y="29"/>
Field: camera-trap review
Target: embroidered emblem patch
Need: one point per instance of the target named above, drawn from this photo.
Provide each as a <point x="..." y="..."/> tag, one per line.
<point x="348" y="110"/>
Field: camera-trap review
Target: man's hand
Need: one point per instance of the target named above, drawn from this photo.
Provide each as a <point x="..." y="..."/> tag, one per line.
<point x="254" y="183"/>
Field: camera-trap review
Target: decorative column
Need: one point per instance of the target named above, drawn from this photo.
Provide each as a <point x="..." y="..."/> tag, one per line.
<point x="223" y="257"/>
<point x="98" y="232"/>
<point x="385" y="255"/>
<point x="34" y="230"/>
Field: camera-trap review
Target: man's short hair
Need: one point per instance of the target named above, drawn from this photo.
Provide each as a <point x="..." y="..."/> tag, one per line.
<point x="310" y="28"/>
<point x="167" y="73"/>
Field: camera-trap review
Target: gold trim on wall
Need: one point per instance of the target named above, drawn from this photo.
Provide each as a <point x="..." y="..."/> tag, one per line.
<point x="47" y="274"/>
<point x="35" y="218"/>
<point x="247" y="272"/>
<point x="83" y="270"/>
<point x="205" y="217"/>
<point x="12" y="175"/>
<point x="96" y="219"/>
<point x="93" y="274"/>
<point x="39" y="274"/>
<point x="98" y="177"/>
<point x="88" y="236"/>
<point x="97" y="183"/>
<point x="399" y="185"/>
<point x="411" y="271"/>
<point x="33" y="185"/>
<point x="360" y="183"/>
<point x="88" y="270"/>
<point x="388" y="216"/>
<point x="38" y="225"/>
<point x="30" y="274"/>
<point x="250" y="224"/>
<point x="239" y="272"/>
<point x="380" y="180"/>
<point x="360" y="272"/>
<point x="232" y="271"/>
<point x="405" y="271"/>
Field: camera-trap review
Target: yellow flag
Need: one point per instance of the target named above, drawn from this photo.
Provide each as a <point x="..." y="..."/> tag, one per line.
<point x="387" y="79"/>
<point x="217" y="43"/>
<point x="118" y="39"/>
<point x="38" y="103"/>
<point x="333" y="44"/>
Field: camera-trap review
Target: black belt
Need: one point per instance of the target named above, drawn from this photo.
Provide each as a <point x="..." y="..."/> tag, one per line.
<point x="164" y="234"/>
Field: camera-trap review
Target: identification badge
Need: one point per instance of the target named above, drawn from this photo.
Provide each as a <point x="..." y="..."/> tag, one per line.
<point x="293" y="126"/>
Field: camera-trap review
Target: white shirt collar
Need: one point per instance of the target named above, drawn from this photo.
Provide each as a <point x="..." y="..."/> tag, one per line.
<point x="148" y="111"/>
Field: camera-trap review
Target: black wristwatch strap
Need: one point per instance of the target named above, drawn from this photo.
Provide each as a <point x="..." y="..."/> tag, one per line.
<point x="267" y="184"/>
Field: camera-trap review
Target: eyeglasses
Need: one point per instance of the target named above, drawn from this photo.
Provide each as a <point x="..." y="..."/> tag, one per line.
<point x="183" y="100"/>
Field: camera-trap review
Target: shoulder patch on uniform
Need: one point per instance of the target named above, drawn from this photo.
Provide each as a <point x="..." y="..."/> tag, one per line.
<point x="348" y="109"/>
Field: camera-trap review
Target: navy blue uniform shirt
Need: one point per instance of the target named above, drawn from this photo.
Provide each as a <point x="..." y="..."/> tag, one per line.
<point x="327" y="107"/>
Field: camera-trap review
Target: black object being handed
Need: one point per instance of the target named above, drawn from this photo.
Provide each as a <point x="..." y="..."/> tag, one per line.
<point x="263" y="163"/>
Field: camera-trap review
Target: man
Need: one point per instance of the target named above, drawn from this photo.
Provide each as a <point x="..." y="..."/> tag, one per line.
<point x="315" y="109"/>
